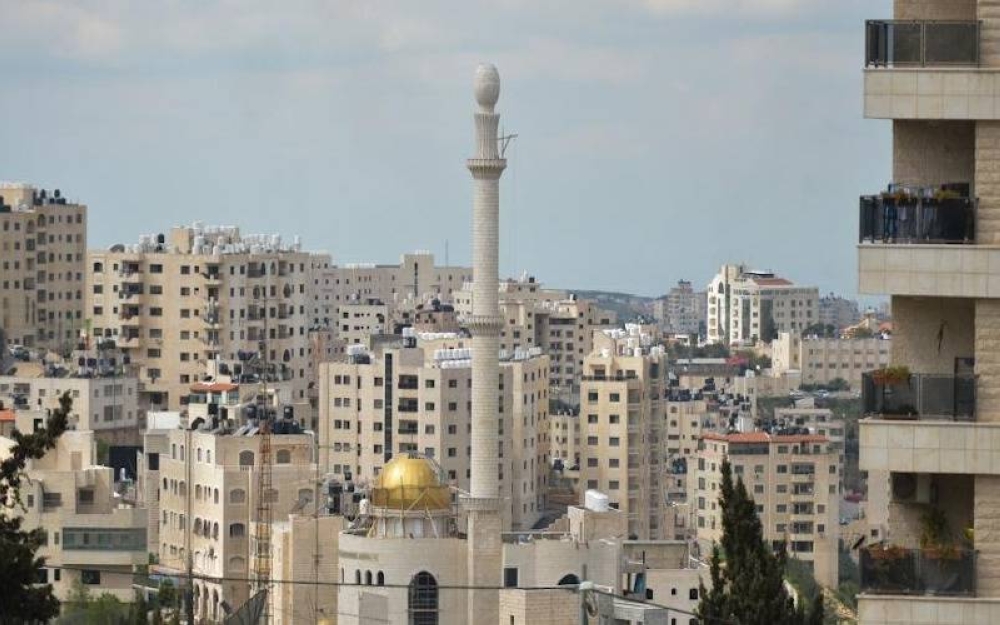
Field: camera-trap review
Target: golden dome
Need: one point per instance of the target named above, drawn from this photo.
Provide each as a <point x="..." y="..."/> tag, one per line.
<point x="410" y="482"/>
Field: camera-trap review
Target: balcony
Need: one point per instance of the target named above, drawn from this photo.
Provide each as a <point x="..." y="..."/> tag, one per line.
<point x="912" y="43"/>
<point x="901" y="571"/>
<point x="918" y="396"/>
<point x="908" y="219"/>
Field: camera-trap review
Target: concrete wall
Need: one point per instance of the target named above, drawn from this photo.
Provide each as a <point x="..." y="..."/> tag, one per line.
<point x="933" y="152"/>
<point x="931" y="332"/>
<point x="934" y="9"/>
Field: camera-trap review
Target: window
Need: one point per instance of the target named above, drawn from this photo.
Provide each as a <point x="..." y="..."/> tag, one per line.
<point x="237" y="530"/>
<point x="90" y="577"/>
<point x="283" y="456"/>
<point x="246" y="458"/>
<point x="423" y="599"/>
<point x="237" y="496"/>
<point x="510" y="577"/>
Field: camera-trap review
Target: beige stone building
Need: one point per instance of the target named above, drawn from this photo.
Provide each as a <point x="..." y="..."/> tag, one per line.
<point x="795" y="482"/>
<point x="418" y="399"/>
<point x="43" y="244"/>
<point x="305" y="549"/>
<point x="357" y="321"/>
<point x="206" y="483"/>
<point x="174" y="302"/>
<point x="746" y="306"/>
<point x="929" y="242"/>
<point x="415" y="279"/>
<point x="623" y="427"/>
<point x="682" y="311"/>
<point x="91" y="537"/>
<point x="108" y="406"/>
<point x="558" y="323"/>
<point x="822" y="360"/>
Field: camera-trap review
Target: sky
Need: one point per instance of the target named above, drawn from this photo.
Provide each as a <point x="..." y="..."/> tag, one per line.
<point x="657" y="139"/>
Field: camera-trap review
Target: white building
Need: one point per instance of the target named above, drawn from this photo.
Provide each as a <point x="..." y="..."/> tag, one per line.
<point x="746" y="306"/>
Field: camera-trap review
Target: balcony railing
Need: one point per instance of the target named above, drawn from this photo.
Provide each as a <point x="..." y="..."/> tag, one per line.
<point x="910" y="220"/>
<point x="909" y="43"/>
<point x="901" y="571"/>
<point x="919" y="395"/>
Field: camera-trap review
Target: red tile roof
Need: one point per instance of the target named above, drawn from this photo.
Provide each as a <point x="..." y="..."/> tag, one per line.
<point x="764" y="437"/>
<point x="214" y="387"/>
<point x="772" y="282"/>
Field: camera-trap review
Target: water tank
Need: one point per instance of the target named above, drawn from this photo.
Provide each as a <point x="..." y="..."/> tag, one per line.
<point x="596" y="501"/>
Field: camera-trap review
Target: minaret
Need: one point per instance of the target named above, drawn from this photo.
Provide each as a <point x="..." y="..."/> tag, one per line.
<point x="483" y="503"/>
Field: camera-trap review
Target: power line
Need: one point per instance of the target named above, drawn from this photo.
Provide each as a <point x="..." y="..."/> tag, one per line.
<point x="565" y="587"/>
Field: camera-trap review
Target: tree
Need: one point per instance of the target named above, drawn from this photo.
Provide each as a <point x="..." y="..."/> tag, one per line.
<point x="747" y="576"/>
<point x="22" y="598"/>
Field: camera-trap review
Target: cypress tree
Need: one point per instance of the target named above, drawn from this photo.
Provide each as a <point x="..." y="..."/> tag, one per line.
<point x="747" y="575"/>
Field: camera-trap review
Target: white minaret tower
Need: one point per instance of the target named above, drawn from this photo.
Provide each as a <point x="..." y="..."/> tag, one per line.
<point x="483" y="503"/>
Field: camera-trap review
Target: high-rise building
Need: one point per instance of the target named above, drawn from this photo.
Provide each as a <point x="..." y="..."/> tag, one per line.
<point x="418" y="399"/>
<point x="838" y="311"/>
<point x="929" y="242"/>
<point x="746" y="306"/>
<point x="795" y="482"/>
<point x="682" y="310"/>
<point x="623" y="427"/>
<point x="174" y="303"/>
<point x="553" y="320"/>
<point x="43" y="244"/>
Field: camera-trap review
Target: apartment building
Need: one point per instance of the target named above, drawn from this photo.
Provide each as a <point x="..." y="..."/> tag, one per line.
<point x="823" y="360"/>
<point x="173" y="303"/>
<point x="935" y="426"/>
<point x="838" y="311"/>
<point x="91" y="537"/>
<point x="416" y="278"/>
<point x="622" y="428"/>
<point x="746" y="306"/>
<point x="794" y="480"/>
<point x="43" y="244"/>
<point x="207" y="486"/>
<point x="555" y="321"/>
<point x="682" y="310"/>
<point x="415" y="397"/>
<point x="357" y="321"/>
<point x="107" y="405"/>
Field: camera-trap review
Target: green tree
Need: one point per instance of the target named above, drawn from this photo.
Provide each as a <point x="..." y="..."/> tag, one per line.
<point x="22" y="598"/>
<point x="747" y="576"/>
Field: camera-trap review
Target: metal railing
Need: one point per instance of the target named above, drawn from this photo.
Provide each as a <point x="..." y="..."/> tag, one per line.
<point x="885" y="219"/>
<point x="903" y="571"/>
<point x="915" y="43"/>
<point x="919" y="395"/>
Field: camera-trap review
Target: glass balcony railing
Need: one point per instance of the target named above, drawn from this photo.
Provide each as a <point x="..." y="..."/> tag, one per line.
<point x="902" y="571"/>
<point x="919" y="395"/>
<point x="910" y="43"/>
<point x="910" y="220"/>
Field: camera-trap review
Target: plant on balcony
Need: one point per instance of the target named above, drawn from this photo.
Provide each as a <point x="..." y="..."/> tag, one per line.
<point x="893" y="374"/>
<point x="888" y="552"/>
<point x="936" y="538"/>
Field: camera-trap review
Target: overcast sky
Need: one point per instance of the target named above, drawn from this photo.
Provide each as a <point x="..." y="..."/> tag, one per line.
<point x="657" y="138"/>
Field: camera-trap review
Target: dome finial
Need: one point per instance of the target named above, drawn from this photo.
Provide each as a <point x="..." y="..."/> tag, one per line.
<point x="487" y="87"/>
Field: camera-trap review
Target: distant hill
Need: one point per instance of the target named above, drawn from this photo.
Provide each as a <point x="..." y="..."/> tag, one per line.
<point x="626" y="305"/>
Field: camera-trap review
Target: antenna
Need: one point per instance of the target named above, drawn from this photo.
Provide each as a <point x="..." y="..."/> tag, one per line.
<point x="504" y="141"/>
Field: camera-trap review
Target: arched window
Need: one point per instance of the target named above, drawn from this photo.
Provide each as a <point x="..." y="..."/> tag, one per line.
<point x="342" y="575"/>
<point x="208" y="456"/>
<point x="165" y="487"/>
<point x="236" y="563"/>
<point x="283" y="456"/>
<point x="368" y="578"/>
<point x="199" y="454"/>
<point x="197" y="491"/>
<point x="173" y="451"/>
<point x="216" y="495"/>
<point x="182" y="489"/>
<point x="568" y="580"/>
<point x="237" y="530"/>
<point x="237" y="495"/>
<point x="423" y="599"/>
<point x="357" y="577"/>
<point x="380" y="579"/>
<point x="246" y="458"/>
<point x="182" y="452"/>
<point x="215" y="531"/>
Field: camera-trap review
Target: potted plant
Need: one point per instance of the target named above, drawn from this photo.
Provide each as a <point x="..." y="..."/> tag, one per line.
<point x="942" y="555"/>
<point x="893" y="374"/>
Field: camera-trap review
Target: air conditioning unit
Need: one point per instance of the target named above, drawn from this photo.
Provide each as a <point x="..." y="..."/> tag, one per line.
<point x="911" y="487"/>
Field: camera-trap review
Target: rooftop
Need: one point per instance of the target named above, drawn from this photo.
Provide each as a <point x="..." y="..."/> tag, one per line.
<point x="764" y="437"/>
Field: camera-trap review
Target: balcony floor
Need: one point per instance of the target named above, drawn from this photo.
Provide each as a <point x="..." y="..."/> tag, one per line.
<point x="904" y="610"/>
<point x="956" y="447"/>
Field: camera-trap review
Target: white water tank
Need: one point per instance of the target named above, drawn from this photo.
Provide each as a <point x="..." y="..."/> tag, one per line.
<point x="596" y="501"/>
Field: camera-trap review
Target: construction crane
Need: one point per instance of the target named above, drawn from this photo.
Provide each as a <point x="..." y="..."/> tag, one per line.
<point x="262" y="526"/>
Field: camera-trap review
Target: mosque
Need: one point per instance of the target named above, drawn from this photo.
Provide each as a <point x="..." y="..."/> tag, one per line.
<point x="418" y="554"/>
